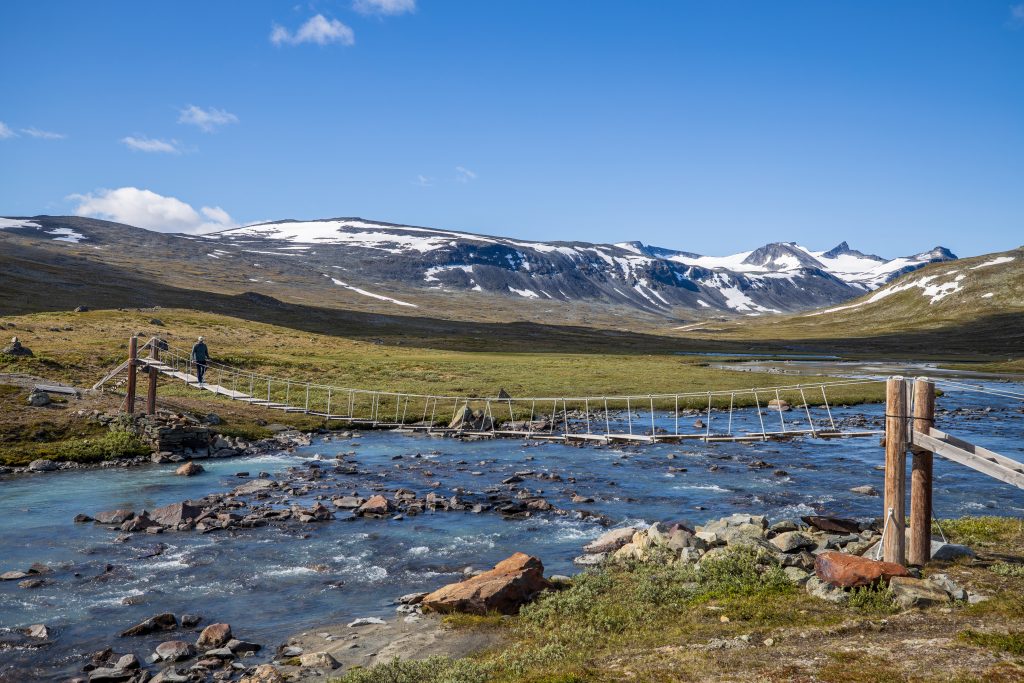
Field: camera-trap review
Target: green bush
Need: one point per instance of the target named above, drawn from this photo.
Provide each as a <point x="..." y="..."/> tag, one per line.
<point x="1007" y="569"/>
<point x="432" y="670"/>
<point x="1012" y="642"/>
<point x="110" y="446"/>
<point x="873" y="600"/>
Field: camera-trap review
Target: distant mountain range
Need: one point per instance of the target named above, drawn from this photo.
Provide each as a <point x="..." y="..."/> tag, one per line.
<point x="394" y="267"/>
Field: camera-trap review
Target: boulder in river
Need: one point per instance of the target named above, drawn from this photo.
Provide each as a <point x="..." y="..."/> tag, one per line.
<point x="114" y="516"/>
<point x="254" y="486"/>
<point x="512" y="583"/>
<point x="189" y="469"/>
<point x="174" y="651"/>
<point x="213" y="636"/>
<point x="174" y="514"/>
<point x="851" y="571"/>
<point x="376" y="505"/>
<point x="159" y="622"/>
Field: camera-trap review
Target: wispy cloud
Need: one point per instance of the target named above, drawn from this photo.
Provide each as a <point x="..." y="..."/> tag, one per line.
<point x="207" y="120"/>
<point x="423" y="181"/>
<point x="464" y="175"/>
<point x="6" y="132"/>
<point x="141" y="143"/>
<point x="318" y="29"/>
<point x="389" y="7"/>
<point x="147" y="209"/>
<point x="34" y="132"/>
<point x="1017" y="15"/>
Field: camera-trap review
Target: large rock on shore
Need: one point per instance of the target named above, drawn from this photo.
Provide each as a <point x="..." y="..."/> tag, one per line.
<point x="610" y="541"/>
<point x="910" y="592"/>
<point x="851" y="571"/>
<point x="264" y="673"/>
<point x="512" y="583"/>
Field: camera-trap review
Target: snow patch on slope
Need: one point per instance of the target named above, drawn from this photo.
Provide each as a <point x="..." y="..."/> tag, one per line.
<point x="371" y="294"/>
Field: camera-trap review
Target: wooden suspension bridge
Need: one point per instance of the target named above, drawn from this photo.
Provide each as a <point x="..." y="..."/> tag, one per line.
<point x="909" y="423"/>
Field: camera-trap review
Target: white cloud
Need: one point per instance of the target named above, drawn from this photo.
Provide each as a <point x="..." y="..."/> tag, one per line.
<point x="143" y="144"/>
<point x="423" y="181"/>
<point x="34" y="132"/>
<point x="6" y="132"/>
<point x="1017" y="14"/>
<point x="464" y="175"/>
<point x="319" y="30"/>
<point x="146" y="209"/>
<point x="206" y="119"/>
<point x="390" y="7"/>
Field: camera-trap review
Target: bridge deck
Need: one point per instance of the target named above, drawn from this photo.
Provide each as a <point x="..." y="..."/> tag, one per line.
<point x="192" y="381"/>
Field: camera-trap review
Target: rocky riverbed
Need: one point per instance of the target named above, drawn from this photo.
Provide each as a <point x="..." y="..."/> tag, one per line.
<point x="286" y="541"/>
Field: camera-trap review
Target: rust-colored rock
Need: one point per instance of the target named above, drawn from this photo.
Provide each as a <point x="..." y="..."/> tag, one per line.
<point x="851" y="571"/>
<point x="512" y="583"/>
<point x="376" y="505"/>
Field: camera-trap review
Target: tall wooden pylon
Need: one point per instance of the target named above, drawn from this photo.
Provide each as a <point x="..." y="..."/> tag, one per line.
<point x="920" y="548"/>
<point x="894" y="540"/>
<point x="133" y="357"/>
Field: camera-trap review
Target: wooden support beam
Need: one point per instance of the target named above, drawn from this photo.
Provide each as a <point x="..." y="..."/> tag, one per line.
<point x="133" y="357"/>
<point x="154" y="353"/>
<point x="894" y="541"/>
<point x="968" y="456"/>
<point x="921" y="476"/>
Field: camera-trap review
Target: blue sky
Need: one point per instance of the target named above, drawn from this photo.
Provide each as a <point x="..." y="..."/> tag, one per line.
<point x="706" y="126"/>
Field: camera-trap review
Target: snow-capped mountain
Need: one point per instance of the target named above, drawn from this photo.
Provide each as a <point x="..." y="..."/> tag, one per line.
<point x="777" y="277"/>
<point x="352" y="262"/>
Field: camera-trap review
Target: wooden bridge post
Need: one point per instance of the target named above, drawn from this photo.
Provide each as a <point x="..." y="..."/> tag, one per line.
<point x="921" y="476"/>
<point x="154" y="353"/>
<point x="133" y="357"/>
<point x="894" y="539"/>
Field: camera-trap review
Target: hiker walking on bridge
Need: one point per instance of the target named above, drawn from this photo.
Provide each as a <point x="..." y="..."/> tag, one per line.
<point x="200" y="356"/>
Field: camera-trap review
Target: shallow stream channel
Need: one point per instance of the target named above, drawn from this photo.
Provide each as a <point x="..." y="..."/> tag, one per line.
<point x="273" y="581"/>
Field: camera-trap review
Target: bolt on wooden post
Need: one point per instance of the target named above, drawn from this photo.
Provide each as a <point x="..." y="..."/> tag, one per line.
<point x="133" y="356"/>
<point x="920" y="548"/>
<point x="894" y="541"/>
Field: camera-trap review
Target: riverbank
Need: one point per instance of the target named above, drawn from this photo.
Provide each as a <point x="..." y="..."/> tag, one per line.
<point x="741" y="617"/>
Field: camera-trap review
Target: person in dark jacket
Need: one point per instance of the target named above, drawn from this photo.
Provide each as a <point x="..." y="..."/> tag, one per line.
<point x="200" y="356"/>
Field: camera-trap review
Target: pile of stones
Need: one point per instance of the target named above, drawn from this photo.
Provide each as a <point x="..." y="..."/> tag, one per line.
<point x="829" y="556"/>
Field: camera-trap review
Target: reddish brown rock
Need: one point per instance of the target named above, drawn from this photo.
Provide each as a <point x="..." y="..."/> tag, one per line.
<point x="512" y="583"/>
<point x="851" y="571"/>
<point x="376" y="505"/>
<point x="213" y="636"/>
<point x="189" y="469"/>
